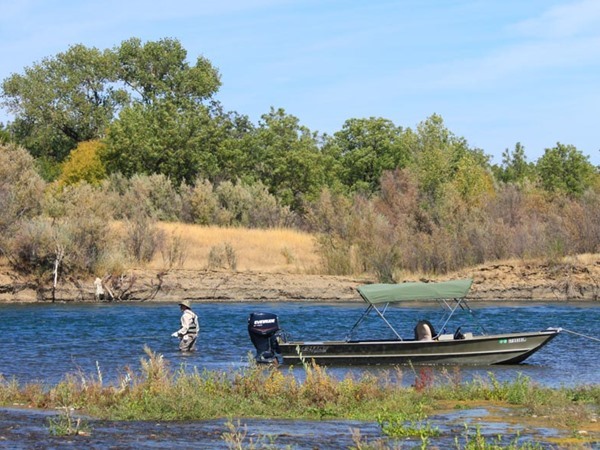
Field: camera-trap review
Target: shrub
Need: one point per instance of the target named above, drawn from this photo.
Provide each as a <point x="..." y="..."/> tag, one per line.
<point x="81" y="213"/>
<point x="21" y="191"/>
<point x="173" y="251"/>
<point x="142" y="238"/>
<point x="154" y="195"/>
<point x="70" y="238"/>
<point x="34" y="247"/>
<point x="222" y="257"/>
<point x="199" y="203"/>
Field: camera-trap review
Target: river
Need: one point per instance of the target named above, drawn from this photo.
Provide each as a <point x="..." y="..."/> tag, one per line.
<point x="44" y="342"/>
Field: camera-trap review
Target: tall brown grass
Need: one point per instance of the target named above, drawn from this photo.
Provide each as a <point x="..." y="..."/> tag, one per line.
<point x="272" y="250"/>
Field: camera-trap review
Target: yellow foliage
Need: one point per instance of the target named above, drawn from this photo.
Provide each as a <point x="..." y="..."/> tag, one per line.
<point x="473" y="183"/>
<point x="83" y="164"/>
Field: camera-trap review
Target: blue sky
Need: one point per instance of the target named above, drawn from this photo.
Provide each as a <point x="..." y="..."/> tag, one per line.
<point x="498" y="72"/>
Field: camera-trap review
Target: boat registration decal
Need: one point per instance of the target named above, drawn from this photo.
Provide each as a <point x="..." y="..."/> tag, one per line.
<point x="315" y="348"/>
<point x="512" y="341"/>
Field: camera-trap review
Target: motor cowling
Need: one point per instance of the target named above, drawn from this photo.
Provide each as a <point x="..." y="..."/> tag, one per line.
<point x="264" y="332"/>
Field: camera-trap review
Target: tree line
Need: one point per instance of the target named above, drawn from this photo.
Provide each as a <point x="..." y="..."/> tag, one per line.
<point x="139" y="127"/>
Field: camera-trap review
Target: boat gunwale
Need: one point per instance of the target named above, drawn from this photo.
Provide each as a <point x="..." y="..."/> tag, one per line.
<point x="482" y="337"/>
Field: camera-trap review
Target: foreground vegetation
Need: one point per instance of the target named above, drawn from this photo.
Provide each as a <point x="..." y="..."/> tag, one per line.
<point x="157" y="393"/>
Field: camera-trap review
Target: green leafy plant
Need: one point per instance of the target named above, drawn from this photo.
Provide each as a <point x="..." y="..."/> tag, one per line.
<point x="402" y="425"/>
<point x="67" y="425"/>
<point x="478" y="441"/>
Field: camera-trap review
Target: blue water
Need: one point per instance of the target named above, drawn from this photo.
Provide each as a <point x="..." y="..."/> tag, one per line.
<point x="44" y="342"/>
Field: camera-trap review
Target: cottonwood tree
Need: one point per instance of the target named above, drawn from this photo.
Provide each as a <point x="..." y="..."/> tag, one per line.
<point x="160" y="138"/>
<point x="168" y="128"/>
<point x="149" y="89"/>
<point x="63" y="100"/>
<point x="159" y="69"/>
<point x="445" y="165"/>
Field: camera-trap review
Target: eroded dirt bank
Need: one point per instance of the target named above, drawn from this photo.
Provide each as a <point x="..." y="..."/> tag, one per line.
<point x="576" y="278"/>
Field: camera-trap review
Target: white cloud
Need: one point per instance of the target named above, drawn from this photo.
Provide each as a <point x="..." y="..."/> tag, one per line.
<point x="553" y="52"/>
<point x="572" y="19"/>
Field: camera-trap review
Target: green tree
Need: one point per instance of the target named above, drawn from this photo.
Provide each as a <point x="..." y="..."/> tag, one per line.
<point x="159" y="138"/>
<point x="234" y="146"/>
<point x="4" y="134"/>
<point x="158" y="69"/>
<point x="439" y="156"/>
<point x="367" y="147"/>
<point x="564" y="169"/>
<point x="168" y="129"/>
<point x="472" y="181"/>
<point x="75" y="96"/>
<point x="63" y="100"/>
<point x="515" y="168"/>
<point x="286" y="157"/>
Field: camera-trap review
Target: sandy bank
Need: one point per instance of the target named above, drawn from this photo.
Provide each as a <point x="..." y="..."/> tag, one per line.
<point x="576" y="279"/>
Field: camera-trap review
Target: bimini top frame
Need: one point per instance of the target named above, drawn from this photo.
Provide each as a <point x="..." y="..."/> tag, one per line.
<point x="379" y="296"/>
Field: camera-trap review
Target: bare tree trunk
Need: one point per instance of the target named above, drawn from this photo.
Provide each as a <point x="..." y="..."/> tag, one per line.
<point x="60" y="254"/>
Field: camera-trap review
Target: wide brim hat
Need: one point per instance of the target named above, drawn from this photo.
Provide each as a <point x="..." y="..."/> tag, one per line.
<point x="185" y="303"/>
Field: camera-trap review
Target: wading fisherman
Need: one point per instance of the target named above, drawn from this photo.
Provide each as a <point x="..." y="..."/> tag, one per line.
<point x="188" y="333"/>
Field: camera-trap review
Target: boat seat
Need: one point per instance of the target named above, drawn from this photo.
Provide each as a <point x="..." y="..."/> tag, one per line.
<point x="445" y="337"/>
<point x="450" y="337"/>
<point x="424" y="331"/>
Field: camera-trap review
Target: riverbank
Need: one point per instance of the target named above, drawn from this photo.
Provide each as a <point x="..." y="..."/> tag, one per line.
<point x="570" y="279"/>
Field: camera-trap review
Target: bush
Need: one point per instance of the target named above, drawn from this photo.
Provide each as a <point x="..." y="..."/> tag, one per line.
<point x="173" y="251"/>
<point x="82" y="214"/>
<point x="153" y="195"/>
<point x="142" y="238"/>
<point x="21" y="190"/>
<point x="222" y="257"/>
<point x="35" y="246"/>
<point x="199" y="203"/>
<point x="71" y="237"/>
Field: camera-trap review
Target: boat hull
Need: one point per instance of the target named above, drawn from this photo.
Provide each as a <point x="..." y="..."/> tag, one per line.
<point x="510" y="348"/>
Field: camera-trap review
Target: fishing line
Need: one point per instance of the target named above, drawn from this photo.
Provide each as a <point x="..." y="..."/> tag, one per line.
<point x="579" y="334"/>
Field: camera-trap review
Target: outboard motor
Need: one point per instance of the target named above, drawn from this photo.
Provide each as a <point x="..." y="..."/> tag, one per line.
<point x="264" y="332"/>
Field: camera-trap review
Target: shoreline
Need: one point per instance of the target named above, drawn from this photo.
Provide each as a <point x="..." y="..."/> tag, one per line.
<point x="572" y="279"/>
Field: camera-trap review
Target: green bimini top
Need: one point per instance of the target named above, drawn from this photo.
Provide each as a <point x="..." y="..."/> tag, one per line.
<point x="391" y="293"/>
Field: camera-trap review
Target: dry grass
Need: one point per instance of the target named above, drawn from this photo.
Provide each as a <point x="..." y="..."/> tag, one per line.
<point x="586" y="259"/>
<point x="274" y="250"/>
